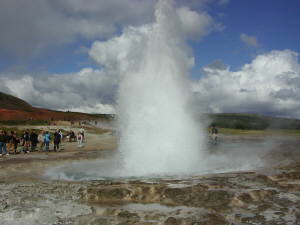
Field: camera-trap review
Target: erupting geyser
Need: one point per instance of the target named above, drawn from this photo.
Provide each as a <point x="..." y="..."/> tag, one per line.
<point x="159" y="135"/>
<point x="158" y="131"/>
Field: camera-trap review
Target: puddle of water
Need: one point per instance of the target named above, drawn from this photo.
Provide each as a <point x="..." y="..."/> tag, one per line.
<point x="226" y="157"/>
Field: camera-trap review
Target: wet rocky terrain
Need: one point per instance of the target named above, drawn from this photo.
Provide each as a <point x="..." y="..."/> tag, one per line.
<point x="269" y="195"/>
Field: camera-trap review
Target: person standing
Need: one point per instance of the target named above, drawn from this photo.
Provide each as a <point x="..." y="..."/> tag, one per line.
<point x="214" y="134"/>
<point x="61" y="135"/>
<point x="6" y="141"/>
<point x="15" y="141"/>
<point x="41" y="140"/>
<point x="33" y="140"/>
<point x="57" y="138"/>
<point x="26" y="141"/>
<point x="81" y="131"/>
<point x="47" y="139"/>
<point x="2" y="143"/>
<point x="79" y="140"/>
<point x="10" y="144"/>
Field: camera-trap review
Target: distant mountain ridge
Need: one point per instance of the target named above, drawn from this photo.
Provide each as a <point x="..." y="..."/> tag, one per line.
<point x="13" y="108"/>
<point x="11" y="102"/>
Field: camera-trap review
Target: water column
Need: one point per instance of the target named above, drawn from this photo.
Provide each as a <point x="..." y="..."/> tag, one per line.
<point x="158" y="131"/>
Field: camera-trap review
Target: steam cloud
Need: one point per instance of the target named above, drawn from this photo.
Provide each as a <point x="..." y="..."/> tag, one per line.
<point x="158" y="133"/>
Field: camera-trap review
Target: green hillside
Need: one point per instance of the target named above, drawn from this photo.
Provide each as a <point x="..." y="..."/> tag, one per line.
<point x="252" y="121"/>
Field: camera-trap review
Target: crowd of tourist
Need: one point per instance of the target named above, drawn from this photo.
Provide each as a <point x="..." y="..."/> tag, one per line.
<point x="31" y="141"/>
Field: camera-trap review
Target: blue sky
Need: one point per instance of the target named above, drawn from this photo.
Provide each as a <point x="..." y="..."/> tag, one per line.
<point x="51" y="41"/>
<point x="275" y="24"/>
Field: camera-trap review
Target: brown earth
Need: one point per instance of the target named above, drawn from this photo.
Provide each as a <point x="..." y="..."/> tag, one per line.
<point x="13" y="108"/>
<point x="49" y="115"/>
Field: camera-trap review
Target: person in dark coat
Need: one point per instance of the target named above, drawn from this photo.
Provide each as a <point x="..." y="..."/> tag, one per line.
<point x="26" y="141"/>
<point x="3" y="141"/>
<point x="15" y="141"/>
<point x="33" y="140"/>
<point x="10" y="145"/>
<point x="57" y="138"/>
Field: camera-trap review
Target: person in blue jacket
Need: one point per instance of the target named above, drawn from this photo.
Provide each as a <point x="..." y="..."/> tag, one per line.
<point x="47" y="139"/>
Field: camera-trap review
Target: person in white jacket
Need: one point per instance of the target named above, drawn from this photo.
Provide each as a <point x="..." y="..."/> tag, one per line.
<point x="79" y="140"/>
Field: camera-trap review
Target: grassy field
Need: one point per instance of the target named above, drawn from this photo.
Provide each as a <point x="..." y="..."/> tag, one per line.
<point x="268" y="132"/>
<point x="24" y="122"/>
<point x="241" y="121"/>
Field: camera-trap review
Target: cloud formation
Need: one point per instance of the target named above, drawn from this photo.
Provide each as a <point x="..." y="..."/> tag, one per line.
<point x="89" y="89"/>
<point x="44" y="24"/>
<point x="249" y="40"/>
<point x="120" y="52"/>
<point x="269" y="84"/>
<point x="29" y="27"/>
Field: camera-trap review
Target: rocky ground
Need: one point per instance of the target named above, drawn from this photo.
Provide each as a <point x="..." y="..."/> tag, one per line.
<point x="269" y="195"/>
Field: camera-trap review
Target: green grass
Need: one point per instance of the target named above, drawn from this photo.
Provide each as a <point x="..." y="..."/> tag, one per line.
<point x="24" y="122"/>
<point x="252" y="121"/>
<point x="283" y="132"/>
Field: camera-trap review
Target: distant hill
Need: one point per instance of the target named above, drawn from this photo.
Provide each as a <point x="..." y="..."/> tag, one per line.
<point x="18" y="111"/>
<point x="11" y="102"/>
<point x="252" y="121"/>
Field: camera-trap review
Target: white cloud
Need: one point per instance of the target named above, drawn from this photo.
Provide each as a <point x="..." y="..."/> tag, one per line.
<point x="269" y="84"/>
<point x="195" y="24"/>
<point x="121" y="52"/>
<point x="31" y="26"/>
<point x="249" y="40"/>
<point x="87" y="90"/>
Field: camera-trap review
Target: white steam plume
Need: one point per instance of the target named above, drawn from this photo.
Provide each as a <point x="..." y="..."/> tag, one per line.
<point x="158" y="132"/>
